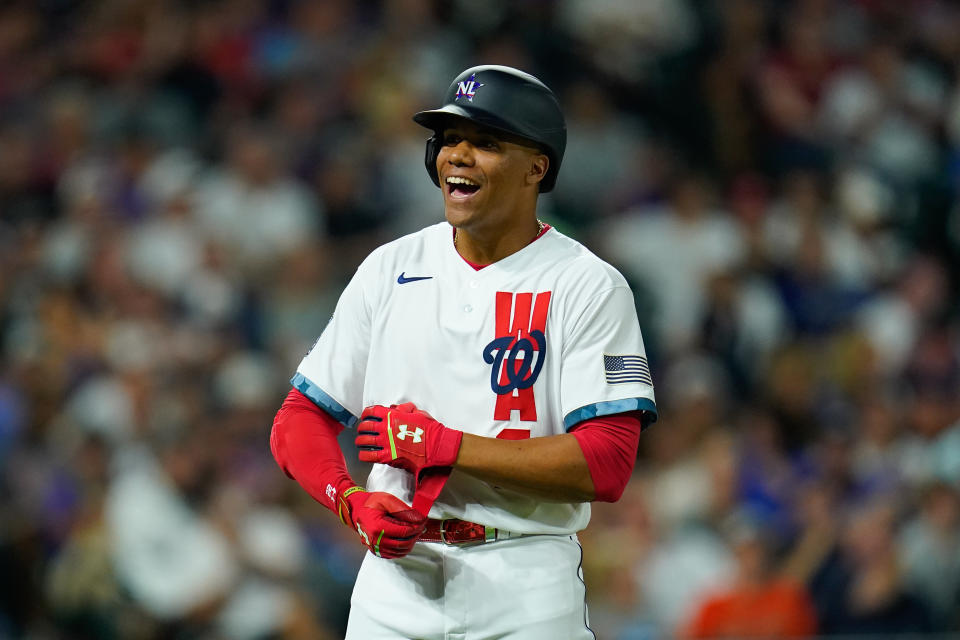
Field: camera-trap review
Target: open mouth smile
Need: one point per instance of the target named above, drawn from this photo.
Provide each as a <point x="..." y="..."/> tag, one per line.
<point x="460" y="187"/>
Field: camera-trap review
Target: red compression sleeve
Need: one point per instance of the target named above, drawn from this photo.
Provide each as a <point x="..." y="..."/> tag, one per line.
<point x="610" y="444"/>
<point x="304" y="444"/>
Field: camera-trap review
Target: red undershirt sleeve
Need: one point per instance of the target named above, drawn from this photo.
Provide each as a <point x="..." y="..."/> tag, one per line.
<point x="304" y="443"/>
<point x="609" y="444"/>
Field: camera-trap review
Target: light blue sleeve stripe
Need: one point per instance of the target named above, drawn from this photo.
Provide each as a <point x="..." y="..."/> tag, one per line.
<point x="611" y="407"/>
<point x="322" y="400"/>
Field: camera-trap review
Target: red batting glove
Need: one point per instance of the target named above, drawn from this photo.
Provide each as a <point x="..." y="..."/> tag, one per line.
<point x="405" y="437"/>
<point x="387" y="525"/>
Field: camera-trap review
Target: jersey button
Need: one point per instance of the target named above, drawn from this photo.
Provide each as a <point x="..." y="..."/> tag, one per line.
<point x="467" y="308"/>
<point x="474" y="284"/>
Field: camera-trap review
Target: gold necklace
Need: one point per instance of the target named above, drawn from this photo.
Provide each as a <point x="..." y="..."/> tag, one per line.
<point x="540" y="226"/>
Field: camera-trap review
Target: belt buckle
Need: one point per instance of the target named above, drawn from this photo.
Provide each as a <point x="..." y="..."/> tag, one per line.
<point x="489" y="534"/>
<point x="443" y="531"/>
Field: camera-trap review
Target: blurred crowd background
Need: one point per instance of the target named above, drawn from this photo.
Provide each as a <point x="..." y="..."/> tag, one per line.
<point x="186" y="187"/>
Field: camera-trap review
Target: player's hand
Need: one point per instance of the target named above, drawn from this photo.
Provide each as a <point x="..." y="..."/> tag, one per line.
<point x="386" y="525"/>
<point x="405" y="437"/>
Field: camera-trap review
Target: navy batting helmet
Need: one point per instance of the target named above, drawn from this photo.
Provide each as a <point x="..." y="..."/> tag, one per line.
<point x="504" y="99"/>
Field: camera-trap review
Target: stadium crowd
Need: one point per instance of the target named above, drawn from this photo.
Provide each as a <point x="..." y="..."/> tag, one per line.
<point x="185" y="188"/>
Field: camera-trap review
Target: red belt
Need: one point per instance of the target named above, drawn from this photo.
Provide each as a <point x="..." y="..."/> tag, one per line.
<point x="454" y="531"/>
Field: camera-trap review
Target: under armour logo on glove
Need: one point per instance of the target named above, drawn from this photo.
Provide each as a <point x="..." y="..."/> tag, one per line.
<point x="416" y="435"/>
<point x="407" y="438"/>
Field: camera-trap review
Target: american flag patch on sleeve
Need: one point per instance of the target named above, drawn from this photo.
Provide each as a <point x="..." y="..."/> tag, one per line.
<point x="626" y="368"/>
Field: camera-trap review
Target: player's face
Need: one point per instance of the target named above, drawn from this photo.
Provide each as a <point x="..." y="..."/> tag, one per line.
<point x="487" y="177"/>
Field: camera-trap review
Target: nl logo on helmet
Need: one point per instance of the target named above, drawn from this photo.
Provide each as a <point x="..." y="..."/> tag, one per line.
<point x="468" y="88"/>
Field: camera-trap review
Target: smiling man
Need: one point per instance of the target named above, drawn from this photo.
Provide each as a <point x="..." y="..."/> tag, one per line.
<point x="495" y="373"/>
<point x="490" y="180"/>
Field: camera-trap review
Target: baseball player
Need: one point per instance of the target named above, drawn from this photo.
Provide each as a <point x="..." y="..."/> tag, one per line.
<point x="494" y="371"/>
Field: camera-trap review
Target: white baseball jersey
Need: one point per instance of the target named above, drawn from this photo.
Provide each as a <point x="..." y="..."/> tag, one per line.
<point x="526" y="347"/>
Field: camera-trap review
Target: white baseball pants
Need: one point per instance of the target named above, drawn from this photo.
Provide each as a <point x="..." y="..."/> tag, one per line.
<point x="529" y="587"/>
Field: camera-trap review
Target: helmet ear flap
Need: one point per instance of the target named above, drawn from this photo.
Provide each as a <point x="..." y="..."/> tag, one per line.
<point x="430" y="159"/>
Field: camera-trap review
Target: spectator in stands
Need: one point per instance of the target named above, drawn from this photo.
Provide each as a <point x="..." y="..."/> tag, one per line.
<point x="758" y="603"/>
<point x="930" y="545"/>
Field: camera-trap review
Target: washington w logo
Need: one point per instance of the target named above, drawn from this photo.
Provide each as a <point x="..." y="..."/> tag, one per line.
<point x="521" y="372"/>
<point x="517" y="354"/>
<point x="468" y="88"/>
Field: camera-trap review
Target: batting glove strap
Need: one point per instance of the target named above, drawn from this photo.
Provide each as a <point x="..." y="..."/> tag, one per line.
<point x="344" y="507"/>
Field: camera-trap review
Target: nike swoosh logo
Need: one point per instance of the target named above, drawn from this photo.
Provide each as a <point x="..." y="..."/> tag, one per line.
<point x="402" y="279"/>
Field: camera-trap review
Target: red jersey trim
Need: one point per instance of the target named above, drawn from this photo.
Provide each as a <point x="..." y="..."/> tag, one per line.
<point x="477" y="267"/>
